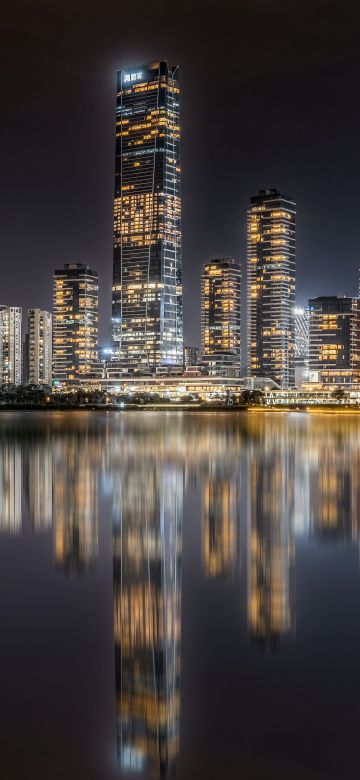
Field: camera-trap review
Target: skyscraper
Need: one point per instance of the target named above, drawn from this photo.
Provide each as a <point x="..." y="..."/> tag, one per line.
<point x="334" y="339"/>
<point x="40" y="347"/>
<point x="271" y="286"/>
<point x="75" y="326"/>
<point x="220" y="315"/>
<point x="147" y="272"/>
<point x="10" y="345"/>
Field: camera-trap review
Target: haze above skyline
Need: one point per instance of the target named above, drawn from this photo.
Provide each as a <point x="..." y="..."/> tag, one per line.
<point x="269" y="99"/>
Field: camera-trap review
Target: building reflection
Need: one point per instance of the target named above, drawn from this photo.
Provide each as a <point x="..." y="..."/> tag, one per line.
<point x="10" y="487"/>
<point x="147" y="551"/>
<point x="39" y="483"/>
<point x="333" y="488"/>
<point x="75" y="504"/>
<point x="220" y="521"/>
<point x="271" y="596"/>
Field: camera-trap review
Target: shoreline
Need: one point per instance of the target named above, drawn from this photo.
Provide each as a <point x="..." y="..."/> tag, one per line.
<point x="330" y="409"/>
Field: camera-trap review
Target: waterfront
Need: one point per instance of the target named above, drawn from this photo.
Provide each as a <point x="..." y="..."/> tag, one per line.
<point x="180" y="595"/>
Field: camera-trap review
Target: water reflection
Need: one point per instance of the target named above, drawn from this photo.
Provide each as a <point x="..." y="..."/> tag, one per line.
<point x="271" y="549"/>
<point x="221" y="521"/>
<point x="260" y="483"/>
<point x="75" y="501"/>
<point x="147" y="545"/>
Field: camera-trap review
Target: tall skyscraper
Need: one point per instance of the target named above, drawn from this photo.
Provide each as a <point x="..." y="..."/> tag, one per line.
<point x="75" y="325"/>
<point x="220" y="315"/>
<point x="271" y="286"/>
<point x="10" y="345"/>
<point x="334" y="339"/>
<point x="40" y="347"/>
<point x="147" y="270"/>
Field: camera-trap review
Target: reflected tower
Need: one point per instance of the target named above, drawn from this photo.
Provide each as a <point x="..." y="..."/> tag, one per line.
<point x="271" y="605"/>
<point x="147" y="540"/>
<point x="76" y="504"/>
<point x="221" y="522"/>
<point x="10" y="487"/>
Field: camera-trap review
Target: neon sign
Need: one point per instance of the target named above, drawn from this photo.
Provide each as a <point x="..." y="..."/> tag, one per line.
<point x="129" y="77"/>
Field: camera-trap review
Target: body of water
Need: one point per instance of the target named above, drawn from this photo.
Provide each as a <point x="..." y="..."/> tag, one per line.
<point x="179" y="595"/>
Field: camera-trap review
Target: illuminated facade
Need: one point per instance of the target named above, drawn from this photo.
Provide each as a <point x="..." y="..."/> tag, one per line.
<point x="10" y="345"/>
<point x="147" y="269"/>
<point x="40" y="347"/>
<point x="271" y="286"/>
<point x="147" y="549"/>
<point x="75" y="324"/>
<point x="334" y="340"/>
<point x="220" y="316"/>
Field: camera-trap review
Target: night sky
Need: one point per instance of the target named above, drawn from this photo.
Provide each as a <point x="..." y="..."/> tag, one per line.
<point x="270" y="98"/>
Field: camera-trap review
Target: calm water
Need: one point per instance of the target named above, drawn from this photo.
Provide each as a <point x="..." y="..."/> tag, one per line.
<point x="180" y="596"/>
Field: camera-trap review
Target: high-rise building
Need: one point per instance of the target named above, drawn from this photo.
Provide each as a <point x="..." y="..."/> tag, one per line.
<point x="40" y="347"/>
<point x="334" y="339"/>
<point x="147" y="270"/>
<point x="220" y="316"/>
<point x="271" y="286"/>
<point x="75" y="324"/>
<point x="10" y="345"/>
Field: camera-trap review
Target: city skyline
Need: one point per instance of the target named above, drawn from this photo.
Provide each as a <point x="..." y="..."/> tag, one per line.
<point x="315" y="159"/>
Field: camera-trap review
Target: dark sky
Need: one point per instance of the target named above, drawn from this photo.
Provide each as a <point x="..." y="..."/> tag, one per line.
<point x="270" y="97"/>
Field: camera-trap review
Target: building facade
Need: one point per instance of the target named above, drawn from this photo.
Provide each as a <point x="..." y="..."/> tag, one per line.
<point x="75" y="321"/>
<point x="301" y="324"/>
<point x="271" y="286"/>
<point x="334" y="328"/>
<point x="147" y="268"/>
<point x="220" y="316"/>
<point x="40" y="347"/>
<point x="10" y="345"/>
<point x="192" y="356"/>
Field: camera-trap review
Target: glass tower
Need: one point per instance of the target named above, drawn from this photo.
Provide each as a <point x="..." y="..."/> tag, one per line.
<point x="271" y="287"/>
<point x="147" y="277"/>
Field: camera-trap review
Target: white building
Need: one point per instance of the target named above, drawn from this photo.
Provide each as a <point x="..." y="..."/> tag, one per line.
<point x="10" y="345"/>
<point x="40" y="347"/>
